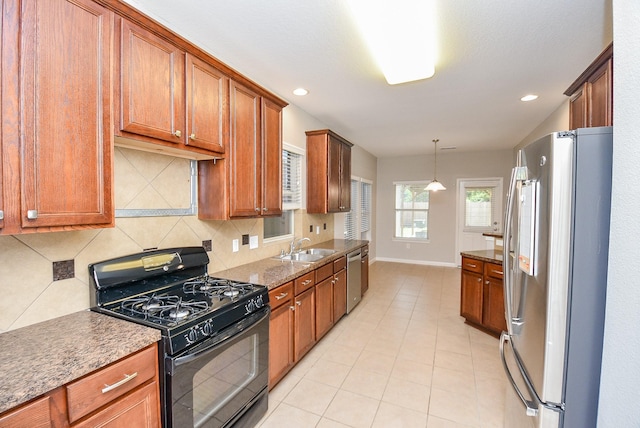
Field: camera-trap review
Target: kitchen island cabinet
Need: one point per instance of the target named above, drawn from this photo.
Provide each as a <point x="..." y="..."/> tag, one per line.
<point x="481" y="290"/>
<point x="56" y="115"/>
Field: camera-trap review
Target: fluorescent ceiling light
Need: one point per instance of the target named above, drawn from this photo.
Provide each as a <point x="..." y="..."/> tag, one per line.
<point x="401" y="36"/>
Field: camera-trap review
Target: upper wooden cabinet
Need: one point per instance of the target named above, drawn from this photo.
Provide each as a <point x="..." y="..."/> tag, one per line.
<point x="57" y="130"/>
<point x="591" y="94"/>
<point x="248" y="183"/>
<point x="169" y="97"/>
<point x="328" y="172"/>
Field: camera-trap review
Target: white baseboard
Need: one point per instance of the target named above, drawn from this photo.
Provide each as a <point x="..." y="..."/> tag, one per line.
<point x="415" y="262"/>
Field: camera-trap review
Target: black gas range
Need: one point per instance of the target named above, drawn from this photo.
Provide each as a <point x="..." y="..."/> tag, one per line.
<point x="215" y="333"/>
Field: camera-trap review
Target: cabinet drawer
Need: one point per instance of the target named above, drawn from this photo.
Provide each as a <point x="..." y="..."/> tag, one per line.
<point x="472" y="265"/>
<point x="339" y="264"/>
<point x="97" y="389"/>
<point x="280" y="295"/>
<point x="324" y="272"/>
<point x="303" y="282"/>
<point x="493" y="270"/>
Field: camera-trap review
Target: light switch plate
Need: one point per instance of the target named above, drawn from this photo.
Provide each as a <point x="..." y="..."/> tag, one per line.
<point x="253" y="242"/>
<point x="236" y="245"/>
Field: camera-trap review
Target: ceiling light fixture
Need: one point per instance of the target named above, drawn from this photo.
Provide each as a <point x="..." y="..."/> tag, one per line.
<point x="529" y="97"/>
<point x="401" y="36"/>
<point x="435" y="185"/>
<point x="300" y="91"/>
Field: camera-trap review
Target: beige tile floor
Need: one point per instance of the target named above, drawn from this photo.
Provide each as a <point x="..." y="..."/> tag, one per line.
<point x="402" y="358"/>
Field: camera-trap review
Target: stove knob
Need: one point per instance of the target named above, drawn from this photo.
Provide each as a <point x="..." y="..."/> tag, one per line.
<point x="207" y="328"/>
<point x="191" y="336"/>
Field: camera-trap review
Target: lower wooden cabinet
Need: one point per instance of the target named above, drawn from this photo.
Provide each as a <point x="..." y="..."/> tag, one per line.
<point x="124" y="393"/>
<point x="324" y="307"/>
<point x="281" y="335"/>
<point x="482" y="294"/>
<point x="304" y="323"/>
<point x="339" y="295"/>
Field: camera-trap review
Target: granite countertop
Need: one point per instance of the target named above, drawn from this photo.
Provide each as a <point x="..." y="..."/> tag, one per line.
<point x="273" y="273"/>
<point x="41" y="357"/>
<point x="492" y="256"/>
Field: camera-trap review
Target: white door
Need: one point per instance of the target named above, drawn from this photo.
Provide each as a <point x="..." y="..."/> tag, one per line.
<point x="479" y="210"/>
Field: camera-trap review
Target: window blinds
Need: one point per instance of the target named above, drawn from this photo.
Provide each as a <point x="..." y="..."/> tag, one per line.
<point x="291" y="180"/>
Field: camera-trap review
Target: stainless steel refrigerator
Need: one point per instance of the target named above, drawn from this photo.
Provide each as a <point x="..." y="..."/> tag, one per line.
<point x="556" y="249"/>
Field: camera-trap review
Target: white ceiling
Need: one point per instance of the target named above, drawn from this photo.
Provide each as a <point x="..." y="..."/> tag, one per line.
<point x="491" y="52"/>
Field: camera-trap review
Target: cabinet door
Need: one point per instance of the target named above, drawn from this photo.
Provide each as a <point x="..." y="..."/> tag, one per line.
<point x="364" y="274"/>
<point x="578" y="109"/>
<point x="281" y="341"/>
<point x="36" y="414"/>
<point x="471" y="296"/>
<point x="152" y="85"/>
<point x="305" y="323"/>
<point x="600" y="113"/>
<point x="245" y="147"/>
<point x="493" y="311"/>
<point x="334" y="190"/>
<point x="207" y="93"/>
<point x="271" y="158"/>
<point x="345" y="178"/>
<point x="324" y="307"/>
<point x="65" y="122"/>
<point x="141" y="408"/>
<point x="339" y="295"/>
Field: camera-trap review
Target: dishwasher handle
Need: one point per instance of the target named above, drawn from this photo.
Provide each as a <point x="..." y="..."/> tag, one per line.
<point x="353" y="256"/>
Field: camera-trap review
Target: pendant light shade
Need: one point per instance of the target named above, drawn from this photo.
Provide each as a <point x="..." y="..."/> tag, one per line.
<point x="435" y="185"/>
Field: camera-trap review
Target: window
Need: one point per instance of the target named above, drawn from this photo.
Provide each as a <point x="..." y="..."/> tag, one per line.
<point x="481" y="201"/>
<point x="357" y="222"/>
<point x="412" y="210"/>
<point x="283" y="226"/>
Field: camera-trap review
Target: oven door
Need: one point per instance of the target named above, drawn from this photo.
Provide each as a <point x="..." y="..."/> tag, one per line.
<point x="223" y="380"/>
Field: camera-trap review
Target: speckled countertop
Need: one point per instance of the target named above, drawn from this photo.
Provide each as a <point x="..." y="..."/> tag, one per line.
<point x="492" y="256"/>
<point x="41" y="357"/>
<point x="272" y="272"/>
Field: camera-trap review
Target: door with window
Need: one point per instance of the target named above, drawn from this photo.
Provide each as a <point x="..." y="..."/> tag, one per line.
<point x="480" y="210"/>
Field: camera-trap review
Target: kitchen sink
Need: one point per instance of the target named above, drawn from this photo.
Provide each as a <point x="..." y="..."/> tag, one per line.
<point x="310" y="255"/>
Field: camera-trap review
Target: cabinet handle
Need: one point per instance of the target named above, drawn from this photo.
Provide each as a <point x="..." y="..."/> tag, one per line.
<point x="178" y="133"/>
<point x="257" y="209"/>
<point x="126" y="379"/>
<point x="264" y="210"/>
<point x="479" y="279"/>
<point x="192" y="136"/>
<point x="293" y="308"/>
<point x="471" y="265"/>
<point x="298" y="302"/>
<point x="282" y="296"/>
<point x="306" y="282"/>
<point x="32" y="214"/>
<point x="486" y="282"/>
<point x="499" y="272"/>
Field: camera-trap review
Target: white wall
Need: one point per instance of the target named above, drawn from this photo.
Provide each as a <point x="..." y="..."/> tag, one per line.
<point x="442" y="205"/>
<point x="619" y="405"/>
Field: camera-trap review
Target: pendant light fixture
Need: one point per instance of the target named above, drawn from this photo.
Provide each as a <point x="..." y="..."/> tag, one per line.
<point x="435" y="185"/>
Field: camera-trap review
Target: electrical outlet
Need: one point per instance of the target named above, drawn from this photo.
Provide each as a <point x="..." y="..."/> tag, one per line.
<point x="236" y="245"/>
<point x="253" y="242"/>
<point x="317" y="230"/>
<point x="245" y="239"/>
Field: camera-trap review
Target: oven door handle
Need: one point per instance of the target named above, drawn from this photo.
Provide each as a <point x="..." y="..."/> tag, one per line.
<point x="220" y="338"/>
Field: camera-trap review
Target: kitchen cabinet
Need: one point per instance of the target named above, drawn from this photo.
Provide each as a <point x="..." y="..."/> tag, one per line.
<point x="339" y="294"/>
<point x="324" y="299"/>
<point x="364" y="274"/>
<point x="328" y="172"/>
<point x="281" y="332"/>
<point x="169" y="97"/>
<point x="56" y="116"/>
<point x="248" y="183"/>
<point x="591" y="102"/>
<point x="304" y="323"/>
<point x="123" y="393"/>
<point x="481" y="294"/>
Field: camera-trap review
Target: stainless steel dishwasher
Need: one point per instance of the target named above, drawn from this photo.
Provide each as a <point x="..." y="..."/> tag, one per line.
<point x="354" y="279"/>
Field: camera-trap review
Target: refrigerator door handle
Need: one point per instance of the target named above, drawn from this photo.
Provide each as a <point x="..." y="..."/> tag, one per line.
<point x="506" y="261"/>
<point x="531" y="407"/>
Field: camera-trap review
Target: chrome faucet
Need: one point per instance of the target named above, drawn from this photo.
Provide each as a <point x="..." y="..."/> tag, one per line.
<point x="297" y="243"/>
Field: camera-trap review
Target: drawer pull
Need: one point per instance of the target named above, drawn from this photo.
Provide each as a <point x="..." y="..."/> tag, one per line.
<point x="127" y="378"/>
<point x="306" y="282"/>
<point x="499" y="272"/>
<point x="471" y="265"/>
<point x="298" y="302"/>
<point x="282" y="296"/>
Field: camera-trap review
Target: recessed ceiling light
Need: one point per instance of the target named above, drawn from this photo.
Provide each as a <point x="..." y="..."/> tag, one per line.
<point x="529" y="97"/>
<point x="300" y="91"/>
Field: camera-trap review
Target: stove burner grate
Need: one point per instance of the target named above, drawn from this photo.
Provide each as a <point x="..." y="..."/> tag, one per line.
<point x="220" y="288"/>
<point x="163" y="308"/>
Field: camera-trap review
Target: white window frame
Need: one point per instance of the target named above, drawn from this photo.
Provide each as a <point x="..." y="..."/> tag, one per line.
<point x="289" y="207"/>
<point x="395" y="211"/>
<point x="359" y="230"/>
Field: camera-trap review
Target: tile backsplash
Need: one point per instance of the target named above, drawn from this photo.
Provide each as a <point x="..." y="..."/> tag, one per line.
<point x="142" y="180"/>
